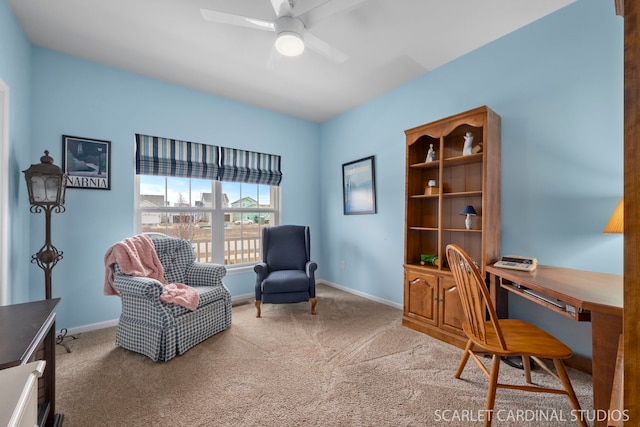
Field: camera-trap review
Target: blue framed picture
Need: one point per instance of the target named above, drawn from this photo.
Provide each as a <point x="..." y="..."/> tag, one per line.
<point x="359" y="186"/>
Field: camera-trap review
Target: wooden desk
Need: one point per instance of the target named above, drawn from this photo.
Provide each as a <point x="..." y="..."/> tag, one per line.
<point x="578" y="295"/>
<point x="27" y="333"/>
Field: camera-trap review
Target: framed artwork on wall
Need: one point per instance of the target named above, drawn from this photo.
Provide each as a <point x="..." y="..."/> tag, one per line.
<point x="359" y="186"/>
<point x="87" y="162"/>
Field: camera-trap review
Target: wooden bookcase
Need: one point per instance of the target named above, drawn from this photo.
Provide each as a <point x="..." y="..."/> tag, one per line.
<point x="433" y="220"/>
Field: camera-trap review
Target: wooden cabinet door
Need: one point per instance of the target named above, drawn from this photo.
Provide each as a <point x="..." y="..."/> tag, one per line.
<point x="422" y="294"/>
<point x="450" y="309"/>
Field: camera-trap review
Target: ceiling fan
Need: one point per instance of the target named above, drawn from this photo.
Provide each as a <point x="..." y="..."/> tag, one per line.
<point x="292" y="35"/>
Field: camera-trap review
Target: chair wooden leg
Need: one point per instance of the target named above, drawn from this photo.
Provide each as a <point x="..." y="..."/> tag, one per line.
<point x="491" y="392"/>
<point x="463" y="359"/>
<point x="566" y="383"/>
<point x="258" y="308"/>
<point x="526" y="364"/>
<point x="313" y="305"/>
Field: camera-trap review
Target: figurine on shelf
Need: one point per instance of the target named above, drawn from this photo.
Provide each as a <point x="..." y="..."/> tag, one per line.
<point x="477" y="149"/>
<point x="431" y="155"/>
<point x="468" y="142"/>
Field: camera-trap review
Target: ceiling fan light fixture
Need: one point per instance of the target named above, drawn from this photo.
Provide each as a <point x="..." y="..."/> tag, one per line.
<point x="289" y="32"/>
<point x="289" y="43"/>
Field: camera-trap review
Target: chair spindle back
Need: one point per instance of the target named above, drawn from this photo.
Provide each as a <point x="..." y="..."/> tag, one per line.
<point x="475" y="298"/>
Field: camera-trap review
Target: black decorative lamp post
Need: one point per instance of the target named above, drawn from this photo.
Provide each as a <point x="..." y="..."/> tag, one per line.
<point x="46" y="184"/>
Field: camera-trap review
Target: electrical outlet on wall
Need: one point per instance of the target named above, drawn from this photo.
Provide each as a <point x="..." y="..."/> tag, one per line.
<point x="343" y="265"/>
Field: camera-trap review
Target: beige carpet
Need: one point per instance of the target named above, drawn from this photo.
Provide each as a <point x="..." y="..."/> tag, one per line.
<point x="353" y="364"/>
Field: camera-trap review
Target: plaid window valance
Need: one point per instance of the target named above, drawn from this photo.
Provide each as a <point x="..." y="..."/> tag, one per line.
<point x="171" y="157"/>
<point x="248" y="166"/>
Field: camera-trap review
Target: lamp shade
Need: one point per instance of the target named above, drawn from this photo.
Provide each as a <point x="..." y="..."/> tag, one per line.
<point x="468" y="210"/>
<point x="46" y="183"/>
<point x="616" y="222"/>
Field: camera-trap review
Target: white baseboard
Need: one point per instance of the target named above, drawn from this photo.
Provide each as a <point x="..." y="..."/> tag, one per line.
<point x="361" y="294"/>
<point x="238" y="299"/>
<point x="91" y="327"/>
<point x="243" y="299"/>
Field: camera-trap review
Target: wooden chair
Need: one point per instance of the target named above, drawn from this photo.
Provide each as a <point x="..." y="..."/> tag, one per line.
<point x="503" y="337"/>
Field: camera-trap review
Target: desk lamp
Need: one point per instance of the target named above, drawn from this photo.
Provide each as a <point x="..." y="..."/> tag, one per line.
<point x="468" y="211"/>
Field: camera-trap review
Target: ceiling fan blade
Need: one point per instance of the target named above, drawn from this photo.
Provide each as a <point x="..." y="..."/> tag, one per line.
<point x="281" y="7"/>
<point x="330" y="8"/>
<point x="242" y="21"/>
<point x="324" y="48"/>
<point x="273" y="59"/>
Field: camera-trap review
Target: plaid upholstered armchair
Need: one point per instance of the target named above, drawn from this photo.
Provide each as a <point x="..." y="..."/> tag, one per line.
<point x="161" y="330"/>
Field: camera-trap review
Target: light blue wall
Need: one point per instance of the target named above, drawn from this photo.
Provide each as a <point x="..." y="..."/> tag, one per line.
<point x="558" y="86"/>
<point x="81" y="98"/>
<point x="15" y="71"/>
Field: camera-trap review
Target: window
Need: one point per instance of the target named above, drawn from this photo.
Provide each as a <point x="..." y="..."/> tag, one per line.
<point x="223" y="220"/>
<point x="218" y="198"/>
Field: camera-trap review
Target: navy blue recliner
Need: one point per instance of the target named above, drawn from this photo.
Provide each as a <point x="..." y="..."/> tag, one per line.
<point x="286" y="274"/>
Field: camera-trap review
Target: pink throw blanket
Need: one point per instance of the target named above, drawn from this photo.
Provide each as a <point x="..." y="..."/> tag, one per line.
<point x="136" y="256"/>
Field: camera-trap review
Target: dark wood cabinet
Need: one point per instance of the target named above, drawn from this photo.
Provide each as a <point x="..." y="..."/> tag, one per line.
<point x="27" y="333"/>
<point x="438" y="188"/>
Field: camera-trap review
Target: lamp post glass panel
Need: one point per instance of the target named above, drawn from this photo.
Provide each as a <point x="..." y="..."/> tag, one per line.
<point x="46" y="186"/>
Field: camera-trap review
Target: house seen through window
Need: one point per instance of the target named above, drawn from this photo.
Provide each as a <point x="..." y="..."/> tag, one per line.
<point x="223" y="220"/>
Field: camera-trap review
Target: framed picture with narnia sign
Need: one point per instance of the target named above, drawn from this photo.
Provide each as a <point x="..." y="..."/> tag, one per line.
<point x="87" y="162"/>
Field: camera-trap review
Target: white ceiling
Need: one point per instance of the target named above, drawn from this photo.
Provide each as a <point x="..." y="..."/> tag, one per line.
<point x="388" y="43"/>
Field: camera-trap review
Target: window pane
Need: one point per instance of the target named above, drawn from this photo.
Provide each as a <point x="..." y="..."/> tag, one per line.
<point x="154" y="223"/>
<point x="202" y="238"/>
<point x="152" y="191"/>
<point x="249" y="193"/>
<point x="231" y="192"/>
<point x="178" y="191"/>
<point x="201" y="193"/>
<point x="242" y="239"/>
<point x="264" y="196"/>
<point x="181" y="225"/>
